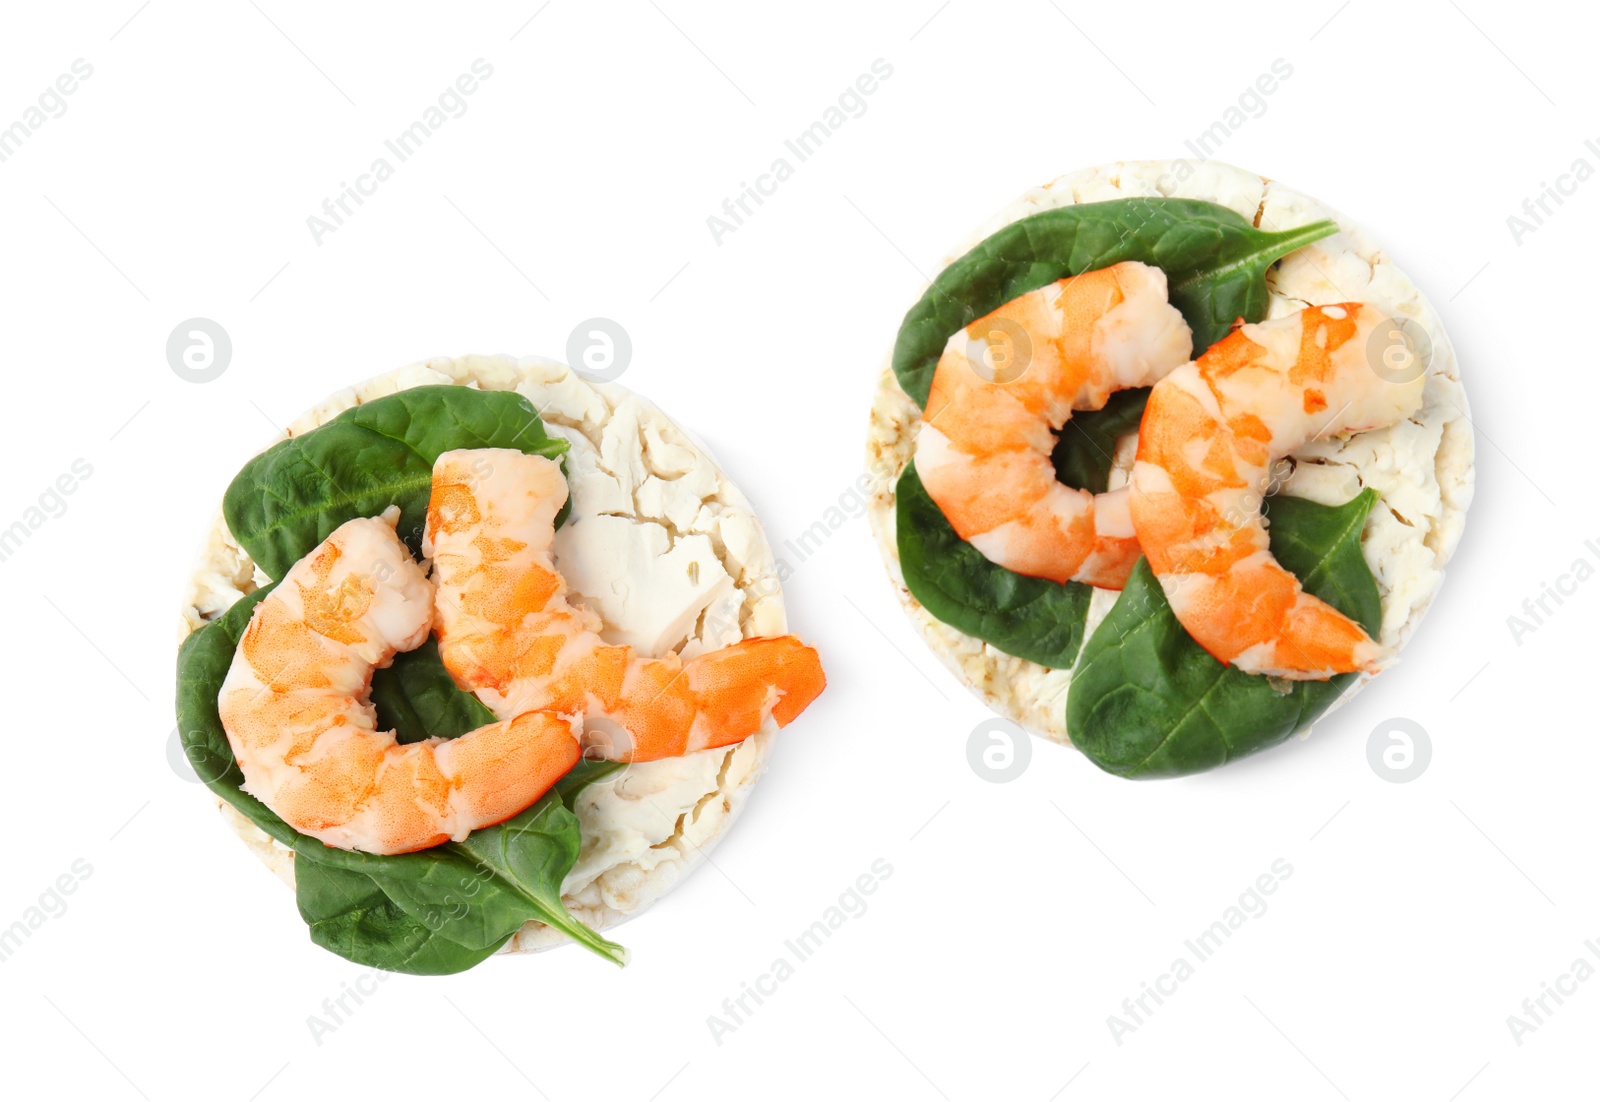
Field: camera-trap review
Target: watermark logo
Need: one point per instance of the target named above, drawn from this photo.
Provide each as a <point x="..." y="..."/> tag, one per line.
<point x="606" y="741"/>
<point x="1399" y="351"/>
<point x="999" y="751"/>
<point x="1399" y="750"/>
<point x="199" y="350"/>
<point x="600" y="350"/>
<point x="1001" y="353"/>
<point x="190" y="763"/>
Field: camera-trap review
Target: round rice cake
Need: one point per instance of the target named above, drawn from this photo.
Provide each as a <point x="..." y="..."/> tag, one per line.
<point x="1421" y="467"/>
<point x="647" y="500"/>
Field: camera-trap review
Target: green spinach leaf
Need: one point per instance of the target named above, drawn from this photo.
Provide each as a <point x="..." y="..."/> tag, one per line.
<point x="417" y="698"/>
<point x="1082" y="454"/>
<point x="348" y="913"/>
<point x="436" y="911"/>
<point x="474" y="894"/>
<point x="1215" y="262"/>
<point x="1148" y="701"/>
<point x="292" y="496"/>
<point x="203" y="661"/>
<point x="1032" y="618"/>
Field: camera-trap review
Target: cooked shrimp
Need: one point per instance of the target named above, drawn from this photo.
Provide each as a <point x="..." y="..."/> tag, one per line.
<point x="1007" y="383"/>
<point x="507" y="631"/>
<point x="1211" y="432"/>
<point x="296" y="712"/>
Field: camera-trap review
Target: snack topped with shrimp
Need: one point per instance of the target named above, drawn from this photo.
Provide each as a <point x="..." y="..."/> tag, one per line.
<point x="1170" y="463"/>
<point x="476" y="686"/>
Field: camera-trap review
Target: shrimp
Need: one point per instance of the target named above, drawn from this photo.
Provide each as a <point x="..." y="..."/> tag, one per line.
<point x="1007" y="383"/>
<point x="1211" y="432"/>
<point x="507" y="631"/>
<point x="295" y="709"/>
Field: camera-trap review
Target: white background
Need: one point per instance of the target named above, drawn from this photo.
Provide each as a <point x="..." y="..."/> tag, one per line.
<point x="578" y="183"/>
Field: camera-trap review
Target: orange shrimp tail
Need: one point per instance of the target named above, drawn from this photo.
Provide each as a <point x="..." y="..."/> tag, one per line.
<point x="1318" y="636"/>
<point x="735" y="682"/>
<point x="719" y="698"/>
<point x="1257" y="616"/>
